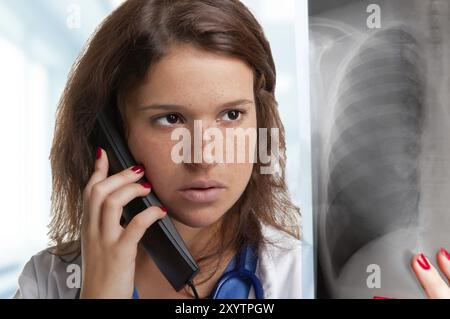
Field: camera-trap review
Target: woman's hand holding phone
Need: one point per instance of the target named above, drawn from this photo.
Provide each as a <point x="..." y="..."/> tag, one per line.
<point x="108" y="249"/>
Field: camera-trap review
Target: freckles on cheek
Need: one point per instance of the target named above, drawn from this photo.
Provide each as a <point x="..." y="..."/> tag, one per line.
<point x="162" y="150"/>
<point x="155" y="152"/>
<point x="240" y="172"/>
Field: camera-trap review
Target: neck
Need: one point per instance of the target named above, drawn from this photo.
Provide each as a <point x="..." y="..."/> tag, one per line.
<point x="196" y="239"/>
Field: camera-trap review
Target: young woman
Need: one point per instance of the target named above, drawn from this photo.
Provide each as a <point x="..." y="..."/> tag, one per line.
<point x="165" y="65"/>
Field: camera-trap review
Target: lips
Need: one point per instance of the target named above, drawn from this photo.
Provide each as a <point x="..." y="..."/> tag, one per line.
<point x="203" y="191"/>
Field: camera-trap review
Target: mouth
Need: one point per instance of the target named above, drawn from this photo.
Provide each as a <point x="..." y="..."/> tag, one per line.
<point x="202" y="191"/>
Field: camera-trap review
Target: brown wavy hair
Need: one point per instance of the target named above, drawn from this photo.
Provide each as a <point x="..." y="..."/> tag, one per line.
<point x="116" y="59"/>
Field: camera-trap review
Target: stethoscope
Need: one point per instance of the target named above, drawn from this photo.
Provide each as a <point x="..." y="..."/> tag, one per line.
<point x="244" y="272"/>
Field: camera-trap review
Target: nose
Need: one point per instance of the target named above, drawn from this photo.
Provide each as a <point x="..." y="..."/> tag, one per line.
<point x="204" y="145"/>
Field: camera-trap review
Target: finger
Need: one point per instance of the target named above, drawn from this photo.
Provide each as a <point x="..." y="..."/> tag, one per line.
<point x="115" y="202"/>
<point x="134" y="231"/>
<point x="100" y="173"/>
<point x="102" y="189"/>
<point x="429" y="278"/>
<point x="443" y="258"/>
<point x="101" y="167"/>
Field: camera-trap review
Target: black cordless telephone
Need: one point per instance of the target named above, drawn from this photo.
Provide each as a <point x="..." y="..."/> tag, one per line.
<point x="161" y="240"/>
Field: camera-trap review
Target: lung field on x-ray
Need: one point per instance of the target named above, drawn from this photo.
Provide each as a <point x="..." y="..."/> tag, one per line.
<point x="373" y="185"/>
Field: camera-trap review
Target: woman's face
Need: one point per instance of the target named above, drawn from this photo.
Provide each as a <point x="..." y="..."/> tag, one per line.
<point x="190" y="85"/>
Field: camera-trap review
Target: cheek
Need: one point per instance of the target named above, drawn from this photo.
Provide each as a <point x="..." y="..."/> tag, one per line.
<point x="241" y="175"/>
<point x="154" y="153"/>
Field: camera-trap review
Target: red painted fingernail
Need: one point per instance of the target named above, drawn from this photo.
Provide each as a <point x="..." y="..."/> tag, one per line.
<point x="381" y="297"/>
<point x="423" y="262"/>
<point x="137" y="169"/>
<point x="147" y="185"/>
<point x="163" y="209"/>
<point x="445" y="253"/>
<point x="99" y="153"/>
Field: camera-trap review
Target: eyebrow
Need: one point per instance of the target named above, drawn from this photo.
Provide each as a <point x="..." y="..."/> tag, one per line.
<point x="176" y="107"/>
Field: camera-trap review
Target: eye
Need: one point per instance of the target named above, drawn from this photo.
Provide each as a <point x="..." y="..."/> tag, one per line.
<point x="233" y="115"/>
<point x="169" y="119"/>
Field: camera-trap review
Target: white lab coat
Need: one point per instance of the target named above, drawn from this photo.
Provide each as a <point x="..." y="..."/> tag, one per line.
<point x="279" y="269"/>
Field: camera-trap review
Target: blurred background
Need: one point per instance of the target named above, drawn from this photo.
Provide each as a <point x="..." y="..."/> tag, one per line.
<point x="40" y="40"/>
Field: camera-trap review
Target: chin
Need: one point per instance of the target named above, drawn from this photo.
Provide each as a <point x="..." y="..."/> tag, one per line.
<point x="197" y="218"/>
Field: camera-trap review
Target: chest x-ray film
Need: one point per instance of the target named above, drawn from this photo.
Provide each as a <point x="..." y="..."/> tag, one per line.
<point x="380" y="91"/>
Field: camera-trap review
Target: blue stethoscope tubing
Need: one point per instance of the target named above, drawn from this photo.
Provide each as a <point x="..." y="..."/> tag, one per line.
<point x="243" y="273"/>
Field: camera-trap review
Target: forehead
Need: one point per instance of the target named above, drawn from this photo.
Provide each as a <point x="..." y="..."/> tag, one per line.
<point x="191" y="76"/>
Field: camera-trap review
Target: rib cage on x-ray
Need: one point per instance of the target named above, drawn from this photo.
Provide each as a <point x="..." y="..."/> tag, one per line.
<point x="380" y="129"/>
<point x="373" y="171"/>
